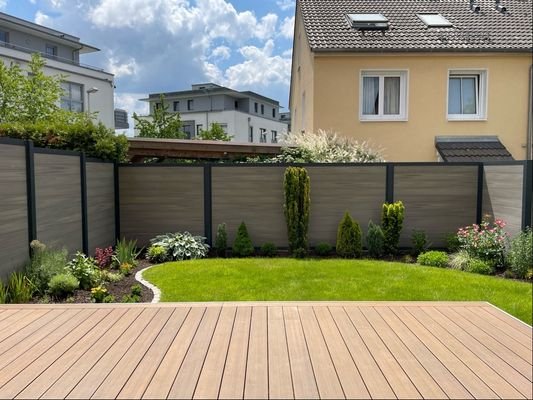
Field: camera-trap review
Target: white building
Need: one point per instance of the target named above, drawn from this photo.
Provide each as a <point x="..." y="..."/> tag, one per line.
<point x="246" y="116"/>
<point x="86" y="88"/>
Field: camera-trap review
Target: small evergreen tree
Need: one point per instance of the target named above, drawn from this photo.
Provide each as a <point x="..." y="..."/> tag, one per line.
<point x="215" y="133"/>
<point x="243" y="247"/>
<point x="297" y="203"/>
<point x="392" y="217"/>
<point x="375" y="240"/>
<point x="162" y="124"/>
<point x="349" y="238"/>
<point x="221" y="241"/>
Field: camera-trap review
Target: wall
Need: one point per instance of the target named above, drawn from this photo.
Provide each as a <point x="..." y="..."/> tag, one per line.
<point x="335" y="94"/>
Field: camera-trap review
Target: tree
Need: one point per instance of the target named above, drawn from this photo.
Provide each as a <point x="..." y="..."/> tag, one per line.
<point x="162" y="124"/>
<point x="215" y="133"/>
<point x="297" y="186"/>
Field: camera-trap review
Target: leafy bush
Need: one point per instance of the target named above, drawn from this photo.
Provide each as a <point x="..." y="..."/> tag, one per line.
<point x="3" y="293"/>
<point x="323" y="249"/>
<point x="269" y="250"/>
<point x="99" y="293"/>
<point x="349" y="238"/>
<point x="161" y="124"/>
<point x="221" y="241"/>
<point x="84" y="269"/>
<point x="452" y="243"/>
<point x="299" y="253"/>
<point x="156" y="254"/>
<point x="62" y="285"/>
<point x="108" y="276"/>
<point x="433" y="259"/>
<point x="478" y="266"/>
<point x="375" y="241"/>
<point x="19" y="288"/>
<point x="134" y="296"/>
<point x="126" y="252"/>
<point x="520" y="255"/>
<point x="44" y="265"/>
<point x="460" y="260"/>
<point x="136" y="290"/>
<point x="420" y="242"/>
<point x="103" y="257"/>
<point x="297" y="200"/>
<point x="125" y="269"/>
<point x="242" y="246"/>
<point x="486" y="241"/>
<point x="391" y="223"/>
<point x="181" y="246"/>
<point x="216" y="132"/>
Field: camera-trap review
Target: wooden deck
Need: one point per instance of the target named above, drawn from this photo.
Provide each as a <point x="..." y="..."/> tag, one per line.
<point x="264" y="350"/>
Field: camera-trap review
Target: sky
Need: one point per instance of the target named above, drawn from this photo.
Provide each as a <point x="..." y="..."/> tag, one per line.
<point x="166" y="45"/>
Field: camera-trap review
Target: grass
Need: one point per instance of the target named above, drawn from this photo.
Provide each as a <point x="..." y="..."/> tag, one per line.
<point x="259" y="279"/>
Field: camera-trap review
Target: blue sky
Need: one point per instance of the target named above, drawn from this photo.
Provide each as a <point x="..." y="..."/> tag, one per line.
<point x="167" y="45"/>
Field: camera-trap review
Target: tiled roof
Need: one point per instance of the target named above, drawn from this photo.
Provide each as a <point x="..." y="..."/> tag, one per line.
<point x="328" y="28"/>
<point x="468" y="149"/>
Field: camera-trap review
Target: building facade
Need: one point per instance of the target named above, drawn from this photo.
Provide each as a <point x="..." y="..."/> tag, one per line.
<point x="86" y="88"/>
<point x="245" y="116"/>
<point x="403" y="75"/>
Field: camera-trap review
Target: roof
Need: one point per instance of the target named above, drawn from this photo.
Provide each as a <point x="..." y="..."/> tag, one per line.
<point x="476" y="149"/>
<point x="328" y="28"/>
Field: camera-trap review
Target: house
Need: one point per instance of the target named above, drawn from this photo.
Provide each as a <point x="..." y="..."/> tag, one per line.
<point x="86" y="88"/>
<point x="410" y="75"/>
<point x="246" y="116"/>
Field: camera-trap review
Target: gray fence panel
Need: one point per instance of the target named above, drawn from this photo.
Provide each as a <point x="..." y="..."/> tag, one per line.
<point x="100" y="205"/>
<point x="502" y="194"/>
<point x="157" y="200"/>
<point x="437" y="199"/>
<point x="13" y="209"/>
<point x="58" y="201"/>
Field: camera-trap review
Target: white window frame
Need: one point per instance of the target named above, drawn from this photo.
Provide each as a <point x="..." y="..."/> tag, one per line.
<point x="481" y="95"/>
<point x="403" y="74"/>
<point x="262" y="135"/>
<point x="66" y="96"/>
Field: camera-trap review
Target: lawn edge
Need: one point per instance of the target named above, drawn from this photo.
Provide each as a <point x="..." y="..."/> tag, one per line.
<point x="155" y="290"/>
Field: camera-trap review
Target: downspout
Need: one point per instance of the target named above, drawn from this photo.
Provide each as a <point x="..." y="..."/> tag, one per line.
<point x="529" y="141"/>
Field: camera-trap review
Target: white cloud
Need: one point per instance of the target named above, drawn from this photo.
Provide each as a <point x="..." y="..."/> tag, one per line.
<point x="41" y="18"/>
<point x="286" y="4"/>
<point x="121" y="69"/>
<point x="3" y="4"/>
<point x="221" y="53"/>
<point x="287" y="27"/>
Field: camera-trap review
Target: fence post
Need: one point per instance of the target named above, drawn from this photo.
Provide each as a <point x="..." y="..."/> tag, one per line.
<point x="30" y="192"/>
<point x="389" y="191"/>
<point x="479" y="202"/>
<point x="117" y="200"/>
<point x="527" y="194"/>
<point x="208" y="209"/>
<point x="84" y="220"/>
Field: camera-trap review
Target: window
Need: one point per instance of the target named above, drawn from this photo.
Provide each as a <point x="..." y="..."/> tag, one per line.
<point x="274" y="138"/>
<point x="236" y="104"/>
<point x="72" y="97"/>
<point x="157" y="106"/>
<point x="383" y="96"/>
<point x="224" y="128"/>
<point x="199" y="129"/>
<point x="256" y="108"/>
<point x="251" y="135"/>
<point x="51" y="50"/>
<point x="262" y="109"/>
<point x="368" y="21"/>
<point x="263" y="135"/>
<point x="273" y="113"/>
<point x="176" y="106"/>
<point x="4" y="36"/>
<point x="190" y="105"/>
<point x="467" y="95"/>
<point x="434" y="20"/>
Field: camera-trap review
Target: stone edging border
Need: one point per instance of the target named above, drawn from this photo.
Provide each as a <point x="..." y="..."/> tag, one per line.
<point x="155" y="290"/>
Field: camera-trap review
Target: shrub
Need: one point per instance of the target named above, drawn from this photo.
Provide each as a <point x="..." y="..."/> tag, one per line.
<point x="156" y="254"/>
<point x="323" y="249"/>
<point x="520" y="255"/>
<point x="134" y="296"/>
<point x="108" y="276"/>
<point x="44" y="265"/>
<point x="375" y="241"/>
<point x="19" y="288"/>
<point x="299" y="253"/>
<point x="433" y="259"/>
<point x="297" y="201"/>
<point x="221" y="241"/>
<point x="269" y="250"/>
<point x="391" y="223"/>
<point x="136" y="290"/>
<point x="181" y="246"/>
<point x="486" y="241"/>
<point x="478" y="266"/>
<point x="98" y="294"/>
<point x="452" y="243"/>
<point x="349" y="238"/>
<point x="3" y="293"/>
<point x="126" y="252"/>
<point x="103" y="257"/>
<point x="84" y="269"/>
<point x="62" y="285"/>
<point x="125" y="269"/>
<point x="420" y="242"/>
<point x="460" y="260"/>
<point x="242" y="246"/>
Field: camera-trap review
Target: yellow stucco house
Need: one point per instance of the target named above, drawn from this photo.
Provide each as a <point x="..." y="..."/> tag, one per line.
<point x="424" y="80"/>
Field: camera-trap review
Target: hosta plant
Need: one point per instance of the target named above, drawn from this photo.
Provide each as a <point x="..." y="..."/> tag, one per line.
<point x="181" y="246"/>
<point x="84" y="269"/>
<point x="486" y="241"/>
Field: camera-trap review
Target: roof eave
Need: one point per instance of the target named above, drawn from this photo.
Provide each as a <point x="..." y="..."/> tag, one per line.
<point x="419" y="50"/>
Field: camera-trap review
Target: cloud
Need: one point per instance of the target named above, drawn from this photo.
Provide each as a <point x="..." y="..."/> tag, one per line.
<point x="3" y="4"/>
<point x="121" y="69"/>
<point x="286" y="4"/>
<point x="41" y="18"/>
<point x="287" y="27"/>
<point x="221" y="53"/>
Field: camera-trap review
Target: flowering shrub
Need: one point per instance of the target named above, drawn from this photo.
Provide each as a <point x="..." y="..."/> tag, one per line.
<point x="103" y="257"/>
<point x="98" y="294"/>
<point x="485" y="241"/>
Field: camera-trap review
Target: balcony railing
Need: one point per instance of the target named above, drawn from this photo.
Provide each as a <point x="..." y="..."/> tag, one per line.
<point x="48" y="56"/>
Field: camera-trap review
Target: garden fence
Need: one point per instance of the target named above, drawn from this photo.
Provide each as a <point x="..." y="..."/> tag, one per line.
<point x="66" y="200"/>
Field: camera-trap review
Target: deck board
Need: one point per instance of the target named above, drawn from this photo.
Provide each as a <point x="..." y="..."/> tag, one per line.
<point x="271" y="350"/>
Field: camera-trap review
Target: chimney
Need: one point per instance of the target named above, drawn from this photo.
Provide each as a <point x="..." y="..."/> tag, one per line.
<point x="473" y="7"/>
<point x="500" y="8"/>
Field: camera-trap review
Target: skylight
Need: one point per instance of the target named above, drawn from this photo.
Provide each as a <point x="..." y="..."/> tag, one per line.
<point x="434" y="20"/>
<point x="369" y="21"/>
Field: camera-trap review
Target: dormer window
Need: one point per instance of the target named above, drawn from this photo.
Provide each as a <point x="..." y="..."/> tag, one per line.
<point x="369" y="21"/>
<point x="434" y="20"/>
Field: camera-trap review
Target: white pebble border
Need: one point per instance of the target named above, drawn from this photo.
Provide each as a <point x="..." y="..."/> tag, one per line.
<point x="154" y="289"/>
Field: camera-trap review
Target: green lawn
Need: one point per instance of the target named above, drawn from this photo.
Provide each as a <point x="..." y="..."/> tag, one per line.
<point x="289" y="279"/>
